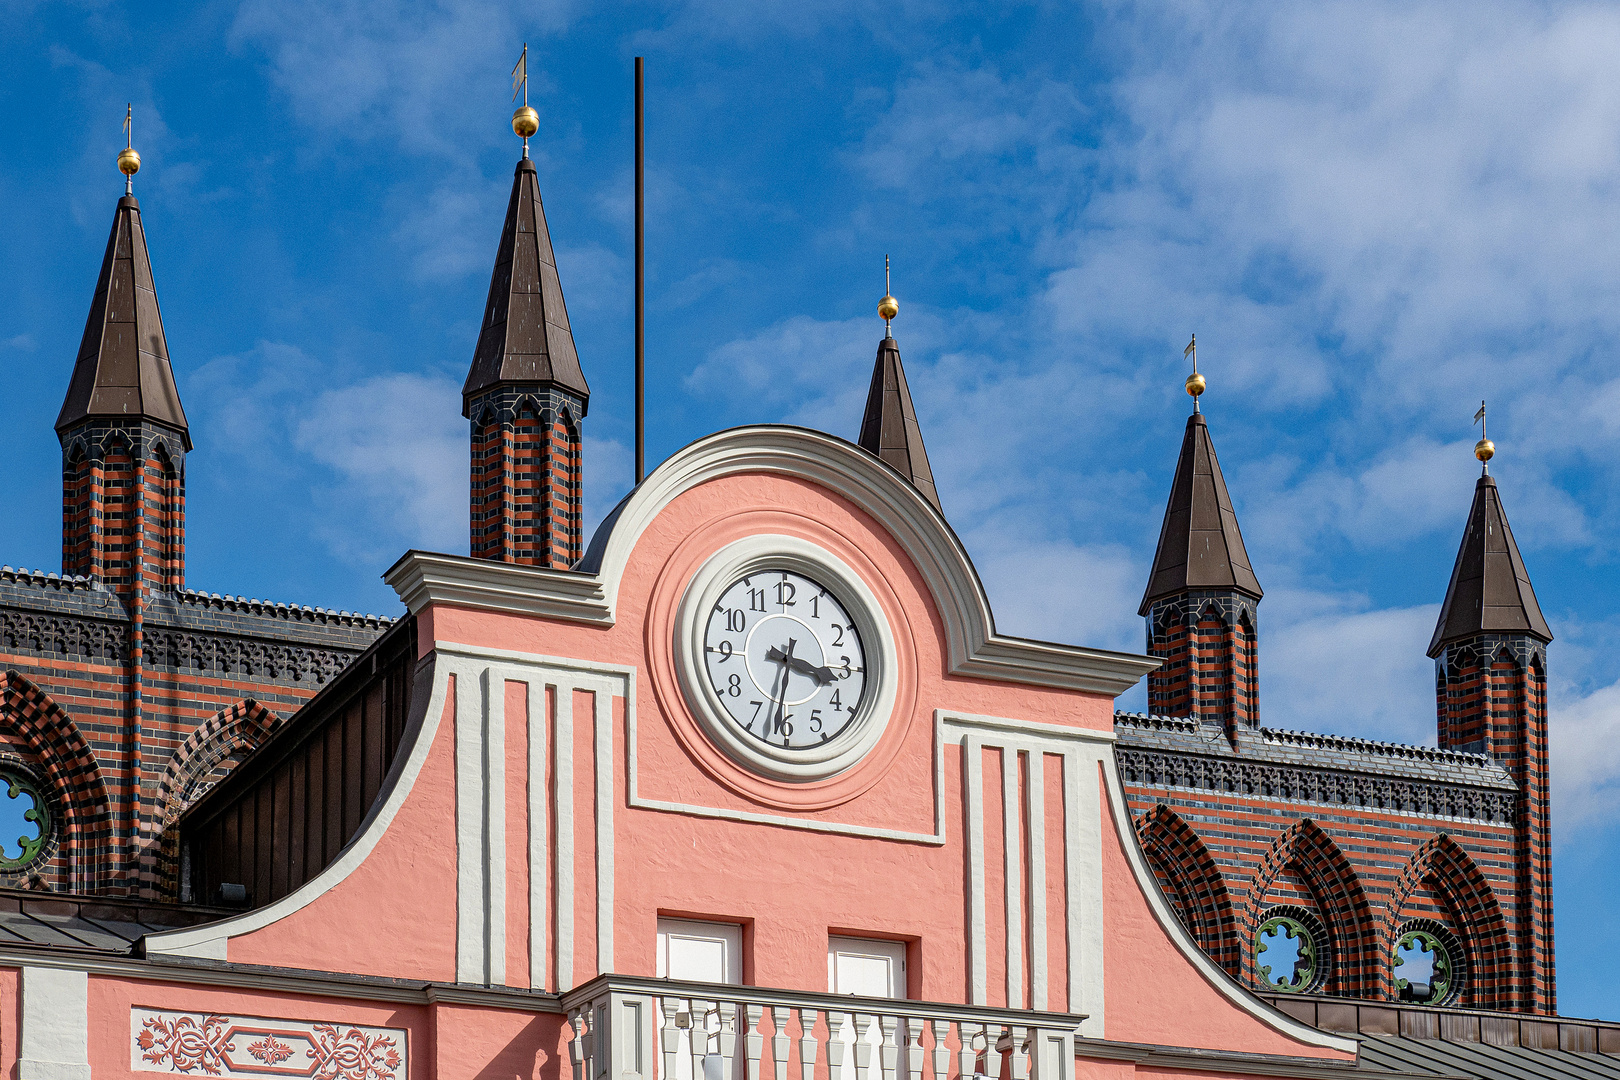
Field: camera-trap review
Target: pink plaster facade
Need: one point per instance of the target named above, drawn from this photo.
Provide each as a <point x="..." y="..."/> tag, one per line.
<point x="557" y="794"/>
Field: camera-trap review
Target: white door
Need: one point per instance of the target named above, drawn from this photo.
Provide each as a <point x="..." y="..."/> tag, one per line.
<point x="871" y="968"/>
<point x="696" y="952"/>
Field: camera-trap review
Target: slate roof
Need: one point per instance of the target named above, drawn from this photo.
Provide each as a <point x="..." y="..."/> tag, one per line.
<point x="1481" y="1061"/>
<point x="889" y="429"/>
<point x="1490" y="589"/>
<point x="525" y="337"/>
<point x="123" y="365"/>
<point x="1200" y="545"/>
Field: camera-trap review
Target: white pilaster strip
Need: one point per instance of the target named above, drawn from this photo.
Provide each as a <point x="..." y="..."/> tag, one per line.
<point x="1035" y="807"/>
<point x="1012" y="840"/>
<point x="972" y="771"/>
<point x="1088" y="895"/>
<point x="604" y="827"/>
<point x="55" y="1036"/>
<point x="564" y="740"/>
<point x="471" y="897"/>
<point x="539" y="850"/>
<point x="1073" y="870"/>
<point x="494" y="827"/>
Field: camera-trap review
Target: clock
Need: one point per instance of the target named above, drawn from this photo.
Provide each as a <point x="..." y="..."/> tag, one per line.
<point x="786" y="658"/>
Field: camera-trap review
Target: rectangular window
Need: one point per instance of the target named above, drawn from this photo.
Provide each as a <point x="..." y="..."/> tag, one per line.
<point x="699" y="951"/>
<point x="866" y="966"/>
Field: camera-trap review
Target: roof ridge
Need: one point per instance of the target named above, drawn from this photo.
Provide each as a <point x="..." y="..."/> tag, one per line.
<point x="277" y="608"/>
<point x="1376" y="747"/>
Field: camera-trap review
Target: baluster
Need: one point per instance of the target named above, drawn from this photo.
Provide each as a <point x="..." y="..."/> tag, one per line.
<point x="863" y="1047"/>
<point x="669" y="1037"/>
<point x="602" y="1045"/>
<point x="967" y="1051"/>
<point x="836" y="1045"/>
<point x="728" y="1038"/>
<point x="753" y="1041"/>
<point x="587" y="1017"/>
<point x="914" y="1048"/>
<point x="939" y="1064"/>
<point x="1020" y="1053"/>
<point x="700" y="1036"/>
<point x="889" y="1050"/>
<point x="576" y="1045"/>
<point x="807" y="1043"/>
<point x="779" y="1041"/>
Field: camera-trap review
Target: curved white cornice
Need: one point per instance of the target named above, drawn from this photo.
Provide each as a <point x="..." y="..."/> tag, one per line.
<point x="590" y="592"/>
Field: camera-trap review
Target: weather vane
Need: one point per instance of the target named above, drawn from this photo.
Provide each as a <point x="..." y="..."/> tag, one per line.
<point x="1195" y="382"/>
<point x="1484" y="449"/>
<point x="525" y="121"/>
<point x="888" y="307"/>
<point x="129" y="162"/>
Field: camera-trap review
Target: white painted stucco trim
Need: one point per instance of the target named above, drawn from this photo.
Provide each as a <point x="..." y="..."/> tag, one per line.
<point x="590" y="593"/>
<point x="54" y="1043"/>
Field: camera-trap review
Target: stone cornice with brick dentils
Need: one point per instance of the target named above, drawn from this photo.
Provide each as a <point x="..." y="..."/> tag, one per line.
<point x="1305" y="767"/>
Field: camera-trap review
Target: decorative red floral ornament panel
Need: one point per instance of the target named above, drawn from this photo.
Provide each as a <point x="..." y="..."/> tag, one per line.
<point x="208" y="1044"/>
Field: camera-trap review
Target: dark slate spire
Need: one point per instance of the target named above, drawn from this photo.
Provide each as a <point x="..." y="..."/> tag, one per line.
<point x="123" y="366"/>
<point x="525" y="338"/>
<point x="1490" y="591"/>
<point x="1200" y="546"/>
<point x="889" y="428"/>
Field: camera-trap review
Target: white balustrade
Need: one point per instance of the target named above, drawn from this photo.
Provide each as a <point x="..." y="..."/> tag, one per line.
<point x="655" y="1029"/>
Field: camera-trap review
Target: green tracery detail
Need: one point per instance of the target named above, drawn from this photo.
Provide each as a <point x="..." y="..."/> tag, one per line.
<point x="1421" y="941"/>
<point x="37" y="815"/>
<point x="1304" y="973"/>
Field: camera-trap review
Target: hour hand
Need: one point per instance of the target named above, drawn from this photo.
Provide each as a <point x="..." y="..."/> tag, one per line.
<point x="822" y="675"/>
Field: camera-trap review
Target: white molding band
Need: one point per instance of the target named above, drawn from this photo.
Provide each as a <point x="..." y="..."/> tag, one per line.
<point x="54" y="1043"/>
<point x="590" y="593"/>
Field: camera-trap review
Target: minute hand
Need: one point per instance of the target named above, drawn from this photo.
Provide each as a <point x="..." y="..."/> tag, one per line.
<point x="822" y="675"/>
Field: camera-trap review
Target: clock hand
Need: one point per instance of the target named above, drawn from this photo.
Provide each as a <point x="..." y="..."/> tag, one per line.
<point x="823" y="675"/>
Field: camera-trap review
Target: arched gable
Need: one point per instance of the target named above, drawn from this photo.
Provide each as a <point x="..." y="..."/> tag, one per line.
<point x="1476" y="918"/>
<point x="1353" y="938"/>
<point x="51" y="736"/>
<point x="1192" y="883"/>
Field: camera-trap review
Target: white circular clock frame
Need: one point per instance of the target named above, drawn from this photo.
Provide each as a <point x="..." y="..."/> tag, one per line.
<point x="761" y="554"/>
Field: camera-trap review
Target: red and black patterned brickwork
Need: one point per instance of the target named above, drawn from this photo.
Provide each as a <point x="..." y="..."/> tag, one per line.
<point x="525" y="491"/>
<point x="1364" y="845"/>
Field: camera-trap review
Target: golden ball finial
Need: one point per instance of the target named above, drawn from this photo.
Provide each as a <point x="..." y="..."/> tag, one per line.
<point x="888" y="307"/>
<point x="1195" y="384"/>
<point x="1484" y="450"/>
<point x="129" y="162"/>
<point x="525" y="122"/>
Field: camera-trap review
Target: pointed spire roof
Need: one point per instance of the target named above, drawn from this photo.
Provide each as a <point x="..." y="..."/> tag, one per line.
<point x="889" y="429"/>
<point x="1490" y="590"/>
<point x="123" y="365"/>
<point x="525" y="336"/>
<point x="1200" y="546"/>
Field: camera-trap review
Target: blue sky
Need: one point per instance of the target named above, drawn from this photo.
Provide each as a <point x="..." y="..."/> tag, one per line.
<point x="1373" y="216"/>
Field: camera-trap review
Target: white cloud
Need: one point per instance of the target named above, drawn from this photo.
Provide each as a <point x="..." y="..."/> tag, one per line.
<point x="1585" y="737"/>
<point x="397" y="446"/>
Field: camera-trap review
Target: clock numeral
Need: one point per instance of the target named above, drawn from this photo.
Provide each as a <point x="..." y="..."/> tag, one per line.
<point x="736" y="620"/>
<point x="786" y="729"/>
<point x="734" y="686"/>
<point x="757" y="706"/>
<point x="815" y="719"/>
<point x="845" y="669"/>
<point x="815" y="605"/>
<point x="839" y="630"/>
<point x="756" y="599"/>
<point x="836" y="704"/>
<point x="724" y="649"/>
<point x="785" y="592"/>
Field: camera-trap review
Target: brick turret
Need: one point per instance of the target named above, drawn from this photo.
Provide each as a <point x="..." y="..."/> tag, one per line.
<point x="123" y="432"/>
<point x="1201" y="598"/>
<point x="526" y="396"/>
<point x="1490" y="660"/>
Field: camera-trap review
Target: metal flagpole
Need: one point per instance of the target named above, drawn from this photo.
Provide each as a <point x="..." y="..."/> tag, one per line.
<point x="641" y="283"/>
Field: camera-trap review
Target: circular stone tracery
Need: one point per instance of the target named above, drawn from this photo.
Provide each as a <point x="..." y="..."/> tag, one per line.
<point x="1290" y="950"/>
<point x="1427" y="963"/>
<point x="25" y="819"/>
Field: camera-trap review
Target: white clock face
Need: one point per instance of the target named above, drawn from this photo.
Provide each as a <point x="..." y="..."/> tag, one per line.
<point x="786" y="659"/>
